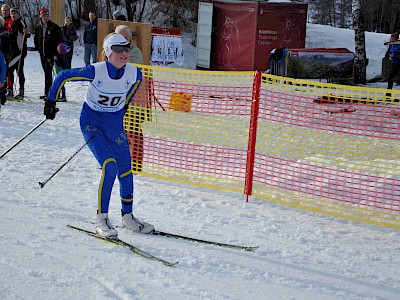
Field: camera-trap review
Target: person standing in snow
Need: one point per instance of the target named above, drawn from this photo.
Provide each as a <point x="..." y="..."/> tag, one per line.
<point x="69" y="35"/>
<point x="4" y="48"/>
<point x="5" y="12"/>
<point x="113" y="84"/>
<point x="47" y="38"/>
<point x="3" y="72"/>
<point x="62" y="63"/>
<point x="18" y="51"/>
<point x="90" y="39"/>
<point x="65" y="51"/>
<point x="393" y="53"/>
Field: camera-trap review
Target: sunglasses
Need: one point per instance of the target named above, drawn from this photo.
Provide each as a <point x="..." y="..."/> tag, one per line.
<point x="120" y="49"/>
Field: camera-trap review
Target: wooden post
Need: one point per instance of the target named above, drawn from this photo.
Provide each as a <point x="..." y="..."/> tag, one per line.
<point x="57" y="11"/>
<point x="141" y="35"/>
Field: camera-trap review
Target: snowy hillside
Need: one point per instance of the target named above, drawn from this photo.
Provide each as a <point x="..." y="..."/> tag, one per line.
<point x="302" y="255"/>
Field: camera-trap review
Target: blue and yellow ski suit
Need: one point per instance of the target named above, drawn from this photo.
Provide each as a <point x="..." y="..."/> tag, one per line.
<point x="101" y="122"/>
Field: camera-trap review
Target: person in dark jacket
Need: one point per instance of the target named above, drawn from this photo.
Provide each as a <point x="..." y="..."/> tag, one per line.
<point x="18" y="50"/>
<point x="90" y="39"/>
<point x="3" y="71"/>
<point x="5" y="12"/>
<point x="47" y="38"/>
<point x="393" y="53"/>
<point x="4" y="38"/>
<point x="68" y="31"/>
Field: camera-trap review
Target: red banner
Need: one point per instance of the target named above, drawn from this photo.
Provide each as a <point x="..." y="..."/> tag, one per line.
<point x="279" y="26"/>
<point x="234" y="26"/>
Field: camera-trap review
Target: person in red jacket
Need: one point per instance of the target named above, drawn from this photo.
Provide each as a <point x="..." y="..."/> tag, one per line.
<point x="5" y="12"/>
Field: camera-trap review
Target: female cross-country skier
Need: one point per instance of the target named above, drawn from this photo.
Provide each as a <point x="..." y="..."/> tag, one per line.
<point x="113" y="84"/>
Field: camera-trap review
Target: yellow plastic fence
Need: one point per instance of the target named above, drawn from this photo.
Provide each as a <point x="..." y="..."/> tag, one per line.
<point x="321" y="147"/>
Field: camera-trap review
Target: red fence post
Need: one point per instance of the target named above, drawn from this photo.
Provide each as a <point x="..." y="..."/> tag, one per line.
<point x="251" y="148"/>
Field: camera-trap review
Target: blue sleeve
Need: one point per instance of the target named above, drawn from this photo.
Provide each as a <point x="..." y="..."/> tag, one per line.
<point x="76" y="74"/>
<point x="3" y="68"/>
<point x="134" y="87"/>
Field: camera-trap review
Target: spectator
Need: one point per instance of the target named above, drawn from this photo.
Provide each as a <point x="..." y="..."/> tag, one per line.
<point x="118" y="15"/>
<point x="18" y="51"/>
<point x="68" y="31"/>
<point x="65" y="51"/>
<point x="47" y="37"/>
<point x="3" y="67"/>
<point x="393" y="53"/>
<point x="135" y="54"/>
<point x="139" y="107"/>
<point x="62" y="63"/>
<point x="3" y="71"/>
<point x="4" y="37"/>
<point x="5" y="12"/>
<point x="90" y="39"/>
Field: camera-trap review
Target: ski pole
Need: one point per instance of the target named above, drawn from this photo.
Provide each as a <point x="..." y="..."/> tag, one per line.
<point x="32" y="130"/>
<point x="42" y="184"/>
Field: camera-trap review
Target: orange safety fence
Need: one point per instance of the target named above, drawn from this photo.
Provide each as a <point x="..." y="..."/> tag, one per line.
<point x="322" y="147"/>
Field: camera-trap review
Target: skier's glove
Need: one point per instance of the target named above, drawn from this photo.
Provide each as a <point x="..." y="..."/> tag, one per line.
<point x="50" y="109"/>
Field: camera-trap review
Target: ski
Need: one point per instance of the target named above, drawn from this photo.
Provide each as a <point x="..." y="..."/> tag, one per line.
<point x="17" y="100"/>
<point x="117" y="241"/>
<point x="340" y="110"/>
<point x="182" y="237"/>
<point x="333" y="99"/>
<point x="187" y="238"/>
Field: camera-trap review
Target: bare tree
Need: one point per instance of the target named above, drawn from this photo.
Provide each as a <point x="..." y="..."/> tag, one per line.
<point x="176" y="13"/>
<point x="360" y="61"/>
<point x="141" y="11"/>
<point x="130" y="9"/>
<point x="88" y="5"/>
<point x="379" y="15"/>
<point x="108" y="12"/>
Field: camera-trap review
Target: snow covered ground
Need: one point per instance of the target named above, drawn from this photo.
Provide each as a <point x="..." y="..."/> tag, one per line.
<point x="302" y="255"/>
